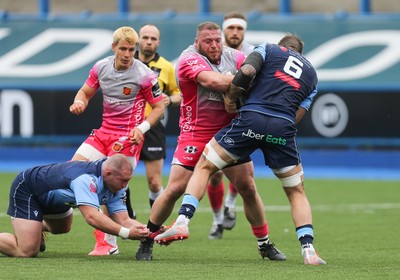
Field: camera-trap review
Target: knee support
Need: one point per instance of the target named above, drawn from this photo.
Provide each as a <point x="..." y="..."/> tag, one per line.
<point x="214" y="158"/>
<point x="292" y="180"/>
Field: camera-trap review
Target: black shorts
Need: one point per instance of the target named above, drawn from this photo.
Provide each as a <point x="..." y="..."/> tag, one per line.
<point x="154" y="143"/>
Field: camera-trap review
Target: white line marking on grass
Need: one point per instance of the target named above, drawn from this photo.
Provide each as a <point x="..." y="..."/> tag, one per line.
<point x="332" y="207"/>
<point x="285" y="208"/>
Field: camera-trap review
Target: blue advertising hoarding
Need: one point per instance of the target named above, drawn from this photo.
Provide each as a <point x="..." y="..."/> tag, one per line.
<point x="43" y="64"/>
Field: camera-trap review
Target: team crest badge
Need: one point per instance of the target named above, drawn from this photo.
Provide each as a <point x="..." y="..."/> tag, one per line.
<point x="127" y="91"/>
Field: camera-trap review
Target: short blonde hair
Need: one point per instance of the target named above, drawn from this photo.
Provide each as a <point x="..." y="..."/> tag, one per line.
<point x="125" y="33"/>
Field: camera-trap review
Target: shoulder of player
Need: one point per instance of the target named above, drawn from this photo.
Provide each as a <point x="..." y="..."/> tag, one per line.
<point x="140" y="68"/>
<point x="190" y="59"/>
<point x="231" y="51"/>
<point x="104" y="63"/>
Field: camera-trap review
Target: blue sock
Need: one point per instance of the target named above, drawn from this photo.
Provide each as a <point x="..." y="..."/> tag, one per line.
<point x="188" y="206"/>
<point x="305" y="234"/>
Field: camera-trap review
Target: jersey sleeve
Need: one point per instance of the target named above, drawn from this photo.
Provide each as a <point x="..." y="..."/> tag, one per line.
<point x="191" y="65"/>
<point x="117" y="204"/>
<point x="152" y="91"/>
<point x="240" y="57"/>
<point x="85" y="189"/>
<point x="262" y="50"/>
<point x="306" y="103"/>
<point x="93" y="79"/>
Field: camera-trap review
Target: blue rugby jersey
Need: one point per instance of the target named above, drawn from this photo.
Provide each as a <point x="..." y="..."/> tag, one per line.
<point x="286" y="81"/>
<point x="72" y="183"/>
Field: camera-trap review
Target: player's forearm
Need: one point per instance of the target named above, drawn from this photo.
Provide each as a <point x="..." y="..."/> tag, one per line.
<point x="98" y="220"/>
<point x="214" y="81"/>
<point x="300" y="114"/>
<point x="175" y="99"/>
<point x="156" y="114"/>
<point x="85" y="93"/>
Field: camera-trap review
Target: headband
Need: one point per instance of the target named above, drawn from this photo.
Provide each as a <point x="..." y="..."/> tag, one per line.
<point x="236" y="21"/>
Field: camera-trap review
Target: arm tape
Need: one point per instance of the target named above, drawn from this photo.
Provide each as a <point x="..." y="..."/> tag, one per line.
<point x="124" y="232"/>
<point x="243" y="80"/>
<point x="256" y="60"/>
<point x="144" y="127"/>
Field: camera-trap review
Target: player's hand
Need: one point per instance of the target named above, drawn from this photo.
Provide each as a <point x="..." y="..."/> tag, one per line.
<point x="78" y="107"/>
<point x="166" y="100"/>
<point x="162" y="229"/>
<point x="136" y="136"/>
<point x="138" y="232"/>
<point x="230" y="106"/>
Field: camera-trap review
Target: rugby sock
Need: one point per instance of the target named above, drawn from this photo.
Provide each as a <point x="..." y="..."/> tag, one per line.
<point x="218" y="217"/>
<point x="152" y="227"/>
<point x="110" y="239"/>
<point x="188" y="206"/>
<point x="261" y="232"/>
<point x="262" y="240"/>
<point x="232" y="189"/>
<point x="305" y="234"/>
<point x="216" y="196"/>
<point x="230" y="199"/>
<point x="153" y="196"/>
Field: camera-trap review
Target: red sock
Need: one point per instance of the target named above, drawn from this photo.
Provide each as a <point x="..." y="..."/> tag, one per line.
<point x="260" y="231"/>
<point x="232" y="189"/>
<point x="216" y="195"/>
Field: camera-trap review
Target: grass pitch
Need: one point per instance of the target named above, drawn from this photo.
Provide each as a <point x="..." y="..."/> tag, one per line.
<point x="356" y="227"/>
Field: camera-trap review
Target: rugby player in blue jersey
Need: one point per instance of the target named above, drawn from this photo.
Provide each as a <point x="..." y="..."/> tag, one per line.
<point x="42" y="199"/>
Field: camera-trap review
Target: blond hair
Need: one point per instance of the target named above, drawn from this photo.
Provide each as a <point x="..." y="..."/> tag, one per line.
<point x="125" y="33"/>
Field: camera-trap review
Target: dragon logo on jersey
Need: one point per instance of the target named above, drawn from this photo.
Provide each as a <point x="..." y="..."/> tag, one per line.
<point x="127" y="90"/>
<point x="191" y="149"/>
